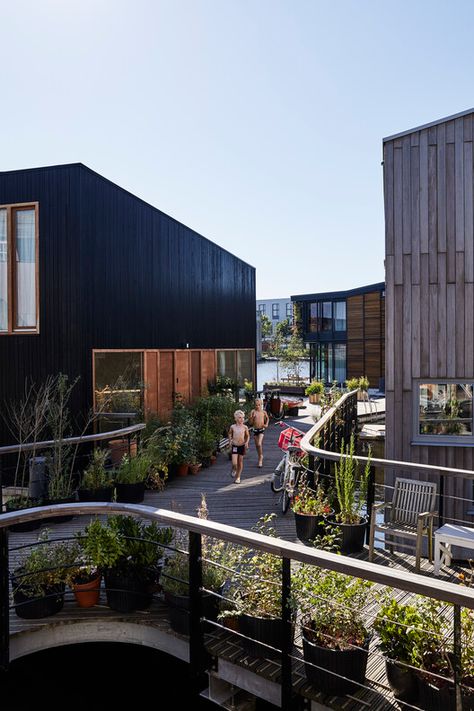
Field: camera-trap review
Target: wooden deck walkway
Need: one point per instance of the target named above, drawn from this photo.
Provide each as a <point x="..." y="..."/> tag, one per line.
<point x="241" y="506"/>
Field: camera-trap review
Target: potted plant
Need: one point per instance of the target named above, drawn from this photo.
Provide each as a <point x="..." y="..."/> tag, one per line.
<point x="335" y="637"/>
<point x="131" y="477"/>
<point x="311" y="507"/>
<point x="249" y="393"/>
<point x="351" y="496"/>
<point x="363" y="388"/>
<point x="314" y="391"/>
<point x="39" y="581"/>
<point x="352" y="384"/>
<point x="256" y="595"/>
<point x="194" y="465"/>
<point x="131" y="577"/>
<point x="96" y="483"/>
<point x="398" y="627"/>
<point x="206" y="444"/>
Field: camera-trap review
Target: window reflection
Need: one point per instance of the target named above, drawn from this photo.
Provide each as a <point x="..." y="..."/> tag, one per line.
<point x="445" y="409"/>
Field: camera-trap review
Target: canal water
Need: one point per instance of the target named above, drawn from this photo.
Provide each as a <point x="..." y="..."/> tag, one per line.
<point x="272" y="369"/>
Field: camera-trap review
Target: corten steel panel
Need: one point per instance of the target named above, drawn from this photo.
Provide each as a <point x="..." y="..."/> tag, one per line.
<point x="182" y="374"/>
<point x="151" y="382"/>
<point x="166" y="382"/>
<point x="116" y="272"/>
<point x="208" y="369"/>
<point x="195" y="375"/>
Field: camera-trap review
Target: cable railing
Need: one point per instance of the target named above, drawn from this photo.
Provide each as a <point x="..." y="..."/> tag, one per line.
<point x="288" y="652"/>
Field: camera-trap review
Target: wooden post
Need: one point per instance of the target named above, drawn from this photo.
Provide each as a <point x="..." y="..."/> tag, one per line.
<point x="457" y="657"/>
<point x="287" y="641"/>
<point x="197" y="653"/>
<point x="4" y="602"/>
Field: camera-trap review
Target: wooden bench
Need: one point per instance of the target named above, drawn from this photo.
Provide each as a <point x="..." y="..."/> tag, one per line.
<point x="445" y="537"/>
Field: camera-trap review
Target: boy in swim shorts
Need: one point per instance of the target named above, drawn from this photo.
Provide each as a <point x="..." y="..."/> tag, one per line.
<point x="239" y="437"/>
<point x="259" y="421"/>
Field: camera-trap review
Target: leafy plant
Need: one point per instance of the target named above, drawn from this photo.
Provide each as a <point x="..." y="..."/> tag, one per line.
<point x="398" y="627"/>
<point x="310" y="501"/>
<point x="96" y="476"/>
<point x="347" y="485"/>
<point x="316" y="387"/>
<point x="352" y="384"/>
<point x="133" y="470"/>
<point x="364" y="383"/>
<point x="142" y="543"/>
<point x="331" y="605"/>
<point x="101" y="545"/>
<point x="248" y="386"/>
<point x="47" y="565"/>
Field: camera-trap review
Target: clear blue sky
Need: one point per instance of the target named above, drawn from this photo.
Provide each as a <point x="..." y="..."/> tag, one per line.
<point x="258" y="123"/>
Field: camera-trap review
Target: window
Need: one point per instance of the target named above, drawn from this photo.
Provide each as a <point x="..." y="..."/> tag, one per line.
<point x="262" y="308"/>
<point x="19" y="268"/>
<point x="236" y="364"/>
<point x="328" y="362"/>
<point x="289" y="311"/>
<point x="275" y="311"/>
<point x="444" y="411"/>
<point x="340" y="316"/>
<point x="118" y="383"/>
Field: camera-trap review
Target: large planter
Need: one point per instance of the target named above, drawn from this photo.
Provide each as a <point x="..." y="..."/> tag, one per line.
<point x="182" y="470"/>
<point x="403" y="681"/>
<point x="352" y="535"/>
<point x="130" y="590"/>
<point x="88" y="594"/>
<point x="262" y="629"/>
<point x="180" y="607"/>
<point x="432" y="697"/>
<point x="33" y="608"/>
<point x="130" y="493"/>
<point x="21" y="527"/>
<point x="315" y="398"/>
<point x="105" y="493"/>
<point x="308" y="526"/>
<point x="349" y="663"/>
<point x="60" y="519"/>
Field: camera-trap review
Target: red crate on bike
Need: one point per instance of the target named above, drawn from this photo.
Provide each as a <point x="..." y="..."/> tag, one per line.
<point x="290" y="436"/>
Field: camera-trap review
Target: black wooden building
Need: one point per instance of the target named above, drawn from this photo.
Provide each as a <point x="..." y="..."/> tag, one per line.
<point x="96" y="283"/>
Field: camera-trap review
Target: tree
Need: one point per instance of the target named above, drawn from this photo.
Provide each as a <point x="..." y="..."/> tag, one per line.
<point x="295" y="349"/>
<point x="266" y="325"/>
<point x="284" y="329"/>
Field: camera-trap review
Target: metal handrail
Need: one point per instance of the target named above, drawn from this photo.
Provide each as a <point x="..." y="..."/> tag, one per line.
<point x="82" y="439"/>
<point x="410" y="582"/>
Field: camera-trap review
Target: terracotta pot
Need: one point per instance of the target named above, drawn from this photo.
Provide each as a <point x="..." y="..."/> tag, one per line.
<point x="182" y="470"/>
<point x="87" y="594"/>
<point x="194" y="468"/>
<point x="315" y="398"/>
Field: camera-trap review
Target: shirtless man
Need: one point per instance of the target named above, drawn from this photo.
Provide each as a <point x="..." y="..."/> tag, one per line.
<point x="259" y="421"/>
<point x="239" y="438"/>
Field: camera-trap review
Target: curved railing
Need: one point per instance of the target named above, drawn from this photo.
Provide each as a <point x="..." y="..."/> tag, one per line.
<point x="446" y="592"/>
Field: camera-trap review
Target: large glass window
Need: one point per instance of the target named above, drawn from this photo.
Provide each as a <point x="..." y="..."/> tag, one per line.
<point x="445" y="409"/>
<point x="227" y="364"/>
<point x="328" y="362"/>
<point x="289" y="310"/>
<point x="313" y="324"/>
<point x="326" y="316"/>
<point x="275" y="311"/>
<point x="18" y="268"/>
<point x="236" y="364"/>
<point x="118" y="383"/>
<point x="262" y="308"/>
<point x="340" y="362"/>
<point x="340" y="316"/>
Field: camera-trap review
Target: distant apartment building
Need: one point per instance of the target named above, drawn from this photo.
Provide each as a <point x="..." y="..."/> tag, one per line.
<point x="277" y="310"/>
<point x="345" y="331"/>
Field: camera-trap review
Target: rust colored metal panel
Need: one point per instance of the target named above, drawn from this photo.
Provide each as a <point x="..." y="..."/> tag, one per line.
<point x="195" y="374"/>
<point x="208" y="368"/>
<point x="151" y="382"/>
<point x="165" y="382"/>
<point x="182" y="374"/>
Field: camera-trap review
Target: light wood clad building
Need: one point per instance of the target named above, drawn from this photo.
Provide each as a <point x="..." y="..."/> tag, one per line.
<point x="428" y="184"/>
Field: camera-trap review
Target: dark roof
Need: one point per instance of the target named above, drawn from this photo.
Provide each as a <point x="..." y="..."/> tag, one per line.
<point x="380" y="286"/>
<point x="81" y="166"/>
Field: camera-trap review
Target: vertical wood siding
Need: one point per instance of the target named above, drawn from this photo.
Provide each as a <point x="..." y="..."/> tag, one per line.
<point x="118" y="273"/>
<point x="429" y="242"/>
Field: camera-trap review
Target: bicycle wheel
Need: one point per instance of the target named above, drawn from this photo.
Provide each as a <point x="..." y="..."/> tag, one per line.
<point x="277" y="481"/>
<point x="285" y="500"/>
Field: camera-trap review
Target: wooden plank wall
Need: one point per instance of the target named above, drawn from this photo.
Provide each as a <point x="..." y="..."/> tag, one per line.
<point x="365" y="336"/>
<point x="428" y="186"/>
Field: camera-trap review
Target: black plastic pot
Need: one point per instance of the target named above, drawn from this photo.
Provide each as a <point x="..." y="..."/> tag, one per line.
<point x="60" y="519"/>
<point x="22" y="527"/>
<point x="261" y="629"/>
<point x="349" y="663"/>
<point x="180" y="606"/>
<point x="129" y="590"/>
<point x="206" y="462"/>
<point x="105" y="493"/>
<point x="434" y="698"/>
<point x="130" y="493"/>
<point x="308" y="526"/>
<point x="403" y="681"/>
<point x="35" y="608"/>
<point x="352" y="535"/>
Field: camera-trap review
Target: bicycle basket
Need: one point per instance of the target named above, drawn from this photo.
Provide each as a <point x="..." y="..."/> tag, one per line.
<point x="290" y="436"/>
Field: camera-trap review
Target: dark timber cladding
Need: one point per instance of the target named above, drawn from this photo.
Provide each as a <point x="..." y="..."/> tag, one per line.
<point x="428" y="182"/>
<point x="116" y="273"/>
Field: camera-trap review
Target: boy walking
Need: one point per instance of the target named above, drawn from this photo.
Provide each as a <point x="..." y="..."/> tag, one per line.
<point x="239" y="437"/>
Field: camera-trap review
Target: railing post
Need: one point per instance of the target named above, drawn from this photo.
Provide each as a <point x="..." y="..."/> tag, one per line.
<point x="311" y="471"/>
<point x="370" y="501"/>
<point x="4" y="602"/>
<point x="197" y="653"/>
<point x="287" y="641"/>
<point x="457" y="657"/>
